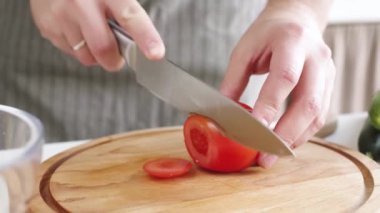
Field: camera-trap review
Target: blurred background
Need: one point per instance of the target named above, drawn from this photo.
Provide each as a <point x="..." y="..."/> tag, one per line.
<point x="354" y="35"/>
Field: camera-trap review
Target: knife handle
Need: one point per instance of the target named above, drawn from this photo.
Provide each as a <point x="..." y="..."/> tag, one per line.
<point x="125" y="42"/>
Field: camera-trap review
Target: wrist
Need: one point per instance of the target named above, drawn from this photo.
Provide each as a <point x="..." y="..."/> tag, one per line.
<point x="308" y="12"/>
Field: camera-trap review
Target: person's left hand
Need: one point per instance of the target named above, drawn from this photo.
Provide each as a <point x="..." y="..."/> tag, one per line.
<point x="289" y="45"/>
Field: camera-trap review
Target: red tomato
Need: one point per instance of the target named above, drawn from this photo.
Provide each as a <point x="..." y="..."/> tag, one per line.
<point x="167" y="167"/>
<point x="245" y="106"/>
<point x="211" y="150"/>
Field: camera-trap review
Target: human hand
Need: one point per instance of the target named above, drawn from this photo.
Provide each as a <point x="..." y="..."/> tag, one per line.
<point x="288" y="44"/>
<point x="83" y="23"/>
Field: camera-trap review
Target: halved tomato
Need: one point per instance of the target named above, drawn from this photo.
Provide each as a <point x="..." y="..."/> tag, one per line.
<point x="167" y="167"/>
<point x="212" y="150"/>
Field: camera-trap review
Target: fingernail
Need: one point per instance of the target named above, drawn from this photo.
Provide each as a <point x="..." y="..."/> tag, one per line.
<point x="156" y="51"/>
<point x="267" y="161"/>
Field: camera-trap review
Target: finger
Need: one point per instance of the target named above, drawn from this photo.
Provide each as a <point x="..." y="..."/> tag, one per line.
<point x="75" y="38"/>
<point x="306" y="102"/>
<point x="305" y="106"/>
<point x="246" y="58"/>
<point x="49" y="30"/>
<point x="266" y="160"/>
<point x="62" y="44"/>
<point x="237" y="76"/>
<point x="284" y="72"/>
<point x="319" y="121"/>
<point x="98" y="36"/>
<point x="133" y="18"/>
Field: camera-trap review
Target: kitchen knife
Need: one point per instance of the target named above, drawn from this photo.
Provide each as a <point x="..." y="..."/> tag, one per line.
<point x="186" y="93"/>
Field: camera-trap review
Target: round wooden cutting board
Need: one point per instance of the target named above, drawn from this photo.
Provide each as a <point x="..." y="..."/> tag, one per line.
<point x="106" y="175"/>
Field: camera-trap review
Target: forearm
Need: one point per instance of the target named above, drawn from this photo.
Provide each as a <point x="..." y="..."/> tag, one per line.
<point x="309" y="10"/>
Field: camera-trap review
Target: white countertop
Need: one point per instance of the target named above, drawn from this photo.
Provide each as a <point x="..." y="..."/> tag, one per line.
<point x="348" y="130"/>
<point x="346" y="134"/>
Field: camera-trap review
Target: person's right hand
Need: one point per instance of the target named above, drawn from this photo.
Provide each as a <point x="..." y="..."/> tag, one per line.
<point x="83" y="24"/>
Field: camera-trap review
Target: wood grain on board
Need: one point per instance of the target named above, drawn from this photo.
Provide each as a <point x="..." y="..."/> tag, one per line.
<point x="106" y="175"/>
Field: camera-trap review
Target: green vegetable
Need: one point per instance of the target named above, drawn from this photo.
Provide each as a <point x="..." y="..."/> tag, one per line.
<point x="369" y="139"/>
<point x="374" y="111"/>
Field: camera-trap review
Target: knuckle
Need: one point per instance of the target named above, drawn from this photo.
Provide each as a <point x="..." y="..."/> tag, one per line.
<point x="289" y="75"/>
<point x="63" y="10"/>
<point x="272" y="108"/>
<point x="325" y="51"/>
<point x="294" y="30"/>
<point x="313" y="107"/>
<point x="47" y="27"/>
<point x="268" y="110"/>
<point x="130" y="13"/>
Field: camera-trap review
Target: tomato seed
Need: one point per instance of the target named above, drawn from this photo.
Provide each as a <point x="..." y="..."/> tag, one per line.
<point x="199" y="141"/>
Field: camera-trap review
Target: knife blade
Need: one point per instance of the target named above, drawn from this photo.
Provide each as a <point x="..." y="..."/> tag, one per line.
<point x="178" y="88"/>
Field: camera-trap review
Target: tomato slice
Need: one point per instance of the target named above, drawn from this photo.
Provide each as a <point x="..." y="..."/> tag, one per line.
<point x="212" y="150"/>
<point x="167" y="167"/>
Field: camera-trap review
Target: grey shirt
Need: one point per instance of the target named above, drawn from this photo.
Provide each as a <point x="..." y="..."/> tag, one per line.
<point x="75" y="102"/>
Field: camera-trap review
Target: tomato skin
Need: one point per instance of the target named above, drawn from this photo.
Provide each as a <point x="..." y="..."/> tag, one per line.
<point x="245" y="106"/>
<point x="167" y="167"/>
<point x="212" y="150"/>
